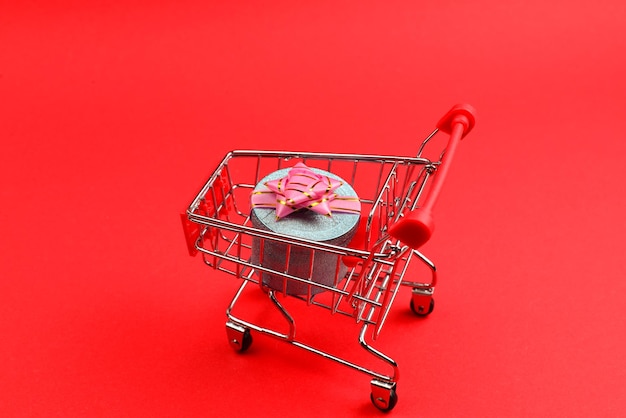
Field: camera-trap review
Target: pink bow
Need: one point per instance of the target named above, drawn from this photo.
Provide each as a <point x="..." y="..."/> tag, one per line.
<point x="304" y="188"/>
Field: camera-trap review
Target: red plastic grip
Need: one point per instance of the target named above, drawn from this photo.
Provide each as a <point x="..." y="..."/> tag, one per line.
<point x="416" y="228"/>
<point x="460" y="113"/>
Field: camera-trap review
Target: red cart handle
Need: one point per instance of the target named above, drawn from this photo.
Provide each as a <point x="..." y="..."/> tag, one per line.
<point x="416" y="228"/>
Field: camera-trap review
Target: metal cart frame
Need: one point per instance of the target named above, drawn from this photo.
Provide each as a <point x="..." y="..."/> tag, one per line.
<point x="397" y="195"/>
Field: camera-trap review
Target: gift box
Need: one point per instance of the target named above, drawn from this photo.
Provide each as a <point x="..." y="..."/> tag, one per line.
<point x="307" y="203"/>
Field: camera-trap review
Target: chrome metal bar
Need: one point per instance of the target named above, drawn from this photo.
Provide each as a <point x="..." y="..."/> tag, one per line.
<point x="425" y="141"/>
<point x="287" y="155"/>
<point x="378" y="354"/>
<point x="292" y="324"/>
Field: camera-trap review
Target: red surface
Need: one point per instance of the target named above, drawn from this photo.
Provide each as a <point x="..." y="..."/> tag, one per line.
<point x="111" y="115"/>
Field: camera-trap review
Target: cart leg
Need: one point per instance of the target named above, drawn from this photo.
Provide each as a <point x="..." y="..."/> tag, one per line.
<point x="422" y="302"/>
<point x="384" y="396"/>
<point x="239" y="337"/>
<point x="383" y="393"/>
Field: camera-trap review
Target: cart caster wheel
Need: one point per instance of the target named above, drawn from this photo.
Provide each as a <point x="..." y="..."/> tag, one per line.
<point x="421" y="309"/>
<point x="239" y="337"/>
<point x="385" y="405"/>
<point x="383" y="396"/>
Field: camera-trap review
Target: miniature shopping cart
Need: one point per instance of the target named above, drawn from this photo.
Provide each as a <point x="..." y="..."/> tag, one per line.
<point x="397" y="195"/>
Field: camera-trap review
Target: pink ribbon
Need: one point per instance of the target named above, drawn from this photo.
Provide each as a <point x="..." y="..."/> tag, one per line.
<point x="303" y="188"/>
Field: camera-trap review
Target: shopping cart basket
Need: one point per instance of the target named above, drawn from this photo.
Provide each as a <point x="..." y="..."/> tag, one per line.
<point x="397" y="195"/>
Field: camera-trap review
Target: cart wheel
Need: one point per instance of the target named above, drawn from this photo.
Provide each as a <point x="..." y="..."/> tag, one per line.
<point x="246" y="341"/>
<point x="239" y="337"/>
<point x="383" y="394"/>
<point x="421" y="310"/>
<point x="383" y="404"/>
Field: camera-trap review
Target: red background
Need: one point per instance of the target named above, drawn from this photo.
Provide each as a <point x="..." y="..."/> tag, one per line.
<point x="113" y="113"/>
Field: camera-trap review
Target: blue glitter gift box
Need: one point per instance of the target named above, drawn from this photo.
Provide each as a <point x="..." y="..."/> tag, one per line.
<point x="318" y="266"/>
